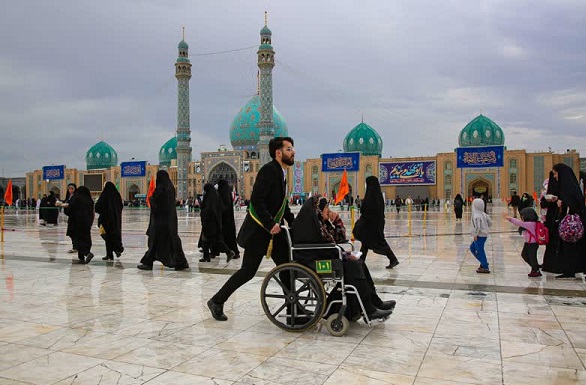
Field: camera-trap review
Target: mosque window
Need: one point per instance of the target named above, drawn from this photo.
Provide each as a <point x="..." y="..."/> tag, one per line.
<point x="448" y="165"/>
<point x="448" y="194"/>
<point x="368" y="170"/>
<point x="448" y="179"/>
<point x="512" y="178"/>
<point x="513" y="163"/>
<point x="251" y="180"/>
<point x="314" y="170"/>
<point x="314" y="183"/>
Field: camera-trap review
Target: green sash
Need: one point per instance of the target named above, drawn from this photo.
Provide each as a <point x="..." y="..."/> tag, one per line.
<point x="277" y="219"/>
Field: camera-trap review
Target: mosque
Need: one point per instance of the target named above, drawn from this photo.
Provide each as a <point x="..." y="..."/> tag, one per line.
<point x="480" y="164"/>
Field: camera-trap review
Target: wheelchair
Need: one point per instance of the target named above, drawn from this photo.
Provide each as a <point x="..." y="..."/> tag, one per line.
<point x="294" y="296"/>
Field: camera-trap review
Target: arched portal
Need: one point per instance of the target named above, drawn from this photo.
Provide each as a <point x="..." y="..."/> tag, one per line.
<point x="132" y="191"/>
<point x="480" y="186"/>
<point x="56" y="191"/>
<point x="223" y="171"/>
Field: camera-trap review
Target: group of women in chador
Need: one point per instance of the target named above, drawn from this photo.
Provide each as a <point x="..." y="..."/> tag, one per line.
<point x="218" y="228"/>
<point x="164" y="244"/>
<point x="48" y="211"/>
<point x="563" y="197"/>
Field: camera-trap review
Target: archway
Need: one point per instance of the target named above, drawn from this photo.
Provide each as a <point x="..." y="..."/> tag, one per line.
<point x="479" y="187"/>
<point x="223" y="171"/>
<point x="132" y="191"/>
<point x="56" y="191"/>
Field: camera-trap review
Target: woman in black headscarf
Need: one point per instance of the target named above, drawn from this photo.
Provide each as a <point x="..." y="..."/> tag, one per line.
<point x="52" y="213"/>
<point x="211" y="225"/>
<point x="551" y="260"/>
<point x="526" y="201"/>
<point x="71" y="187"/>
<point x="228" y="222"/>
<point x="109" y="206"/>
<point x="164" y="242"/>
<point x="458" y="206"/>
<point x="370" y="227"/>
<point x="81" y="214"/>
<point x="570" y="200"/>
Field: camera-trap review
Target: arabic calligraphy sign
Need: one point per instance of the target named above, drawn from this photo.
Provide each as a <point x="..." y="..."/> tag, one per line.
<point x="53" y="172"/>
<point x="478" y="157"/>
<point x="407" y="173"/>
<point x="349" y="161"/>
<point x="133" y="169"/>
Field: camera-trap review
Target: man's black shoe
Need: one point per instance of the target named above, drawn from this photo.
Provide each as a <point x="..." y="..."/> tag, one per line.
<point x="144" y="267"/>
<point x="379" y="314"/>
<point x="179" y="268"/>
<point x="393" y="264"/>
<point x="217" y="311"/>
<point x="387" y="305"/>
<point x="230" y="255"/>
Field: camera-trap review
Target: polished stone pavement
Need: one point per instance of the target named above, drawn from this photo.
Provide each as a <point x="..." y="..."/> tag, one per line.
<point x="109" y="323"/>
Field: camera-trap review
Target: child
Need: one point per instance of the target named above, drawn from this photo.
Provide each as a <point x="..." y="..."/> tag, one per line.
<point x="529" y="252"/>
<point x="481" y="223"/>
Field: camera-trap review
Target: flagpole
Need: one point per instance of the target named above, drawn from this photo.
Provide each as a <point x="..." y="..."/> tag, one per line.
<point x="2" y="224"/>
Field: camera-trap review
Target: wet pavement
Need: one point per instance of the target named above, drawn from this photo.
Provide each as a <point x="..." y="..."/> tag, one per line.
<point x="110" y="323"/>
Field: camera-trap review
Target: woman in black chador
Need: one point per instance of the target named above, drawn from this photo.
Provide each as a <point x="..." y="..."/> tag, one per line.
<point x="458" y="206"/>
<point x="52" y="212"/>
<point x="211" y="225"/>
<point x="109" y="206"/>
<point x="370" y="227"/>
<point x="551" y="260"/>
<point x="81" y="214"/>
<point x="228" y="223"/>
<point x="71" y="187"/>
<point x="164" y="242"/>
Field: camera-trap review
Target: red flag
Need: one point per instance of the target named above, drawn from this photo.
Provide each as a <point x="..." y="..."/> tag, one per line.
<point x="8" y="193"/>
<point x="344" y="188"/>
<point x="151" y="191"/>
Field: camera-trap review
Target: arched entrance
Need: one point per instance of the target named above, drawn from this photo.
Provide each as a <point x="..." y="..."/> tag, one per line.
<point x="223" y="171"/>
<point x="132" y="191"/>
<point x="479" y="187"/>
<point x="56" y="191"/>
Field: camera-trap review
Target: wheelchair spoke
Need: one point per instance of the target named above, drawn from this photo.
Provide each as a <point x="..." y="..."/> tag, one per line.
<point x="285" y="290"/>
<point x="281" y="296"/>
<point x="279" y="310"/>
<point x="305" y="284"/>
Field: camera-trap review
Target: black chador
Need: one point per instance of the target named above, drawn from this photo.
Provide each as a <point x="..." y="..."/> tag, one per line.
<point x="109" y="206"/>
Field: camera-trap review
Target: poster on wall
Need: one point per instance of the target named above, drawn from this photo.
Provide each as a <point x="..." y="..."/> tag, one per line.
<point x="298" y="177"/>
<point x="133" y="169"/>
<point x="349" y="161"/>
<point x="53" y="172"/>
<point x="480" y="157"/>
<point x="407" y="173"/>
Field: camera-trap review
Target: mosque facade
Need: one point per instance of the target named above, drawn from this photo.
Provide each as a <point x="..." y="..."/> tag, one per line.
<point x="433" y="177"/>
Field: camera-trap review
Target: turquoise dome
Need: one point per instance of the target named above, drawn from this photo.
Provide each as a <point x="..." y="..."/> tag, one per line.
<point x="265" y="46"/>
<point x="101" y="155"/>
<point x="265" y="31"/>
<point x="183" y="44"/>
<point x="168" y="152"/>
<point x="364" y="139"/>
<point x="182" y="60"/>
<point x="244" y="131"/>
<point x="481" y="131"/>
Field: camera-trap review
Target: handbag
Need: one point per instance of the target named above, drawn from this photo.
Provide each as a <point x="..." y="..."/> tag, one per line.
<point x="102" y="230"/>
<point x="571" y="228"/>
<point x="357" y="231"/>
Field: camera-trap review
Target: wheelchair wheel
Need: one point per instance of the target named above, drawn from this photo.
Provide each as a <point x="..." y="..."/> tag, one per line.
<point x="337" y="328"/>
<point x="293" y="297"/>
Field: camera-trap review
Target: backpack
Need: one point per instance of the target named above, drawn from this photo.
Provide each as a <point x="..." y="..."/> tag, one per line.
<point x="541" y="233"/>
<point x="571" y="228"/>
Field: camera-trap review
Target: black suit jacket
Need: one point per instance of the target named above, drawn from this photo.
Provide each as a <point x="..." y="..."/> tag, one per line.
<point x="268" y="193"/>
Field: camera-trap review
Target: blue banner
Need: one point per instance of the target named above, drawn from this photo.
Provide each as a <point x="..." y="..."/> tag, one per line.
<point x="133" y="169"/>
<point x="53" y="172"/>
<point x="480" y="157"/>
<point x="407" y="173"/>
<point x="349" y="161"/>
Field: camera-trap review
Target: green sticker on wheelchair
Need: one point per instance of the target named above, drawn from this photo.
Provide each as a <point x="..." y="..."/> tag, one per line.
<point x="323" y="267"/>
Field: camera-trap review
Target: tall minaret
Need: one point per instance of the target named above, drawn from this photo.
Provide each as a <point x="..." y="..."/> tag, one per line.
<point x="266" y="62"/>
<point x="183" y="74"/>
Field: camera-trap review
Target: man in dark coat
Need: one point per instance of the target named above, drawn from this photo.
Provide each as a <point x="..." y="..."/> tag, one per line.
<point x="268" y="207"/>
<point x="164" y="242"/>
<point x="109" y="206"/>
<point x="514" y="203"/>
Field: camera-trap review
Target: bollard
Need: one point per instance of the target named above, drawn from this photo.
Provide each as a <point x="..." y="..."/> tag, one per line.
<point x="424" y="217"/>
<point x="409" y="216"/>
<point x="352" y="224"/>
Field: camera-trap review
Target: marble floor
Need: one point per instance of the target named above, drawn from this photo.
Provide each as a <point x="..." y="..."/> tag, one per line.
<point x="109" y="323"/>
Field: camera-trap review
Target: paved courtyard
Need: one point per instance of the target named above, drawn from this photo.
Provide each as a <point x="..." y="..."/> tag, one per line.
<point x="110" y="323"/>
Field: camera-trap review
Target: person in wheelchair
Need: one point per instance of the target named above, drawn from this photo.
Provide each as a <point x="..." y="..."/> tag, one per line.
<point x="316" y="224"/>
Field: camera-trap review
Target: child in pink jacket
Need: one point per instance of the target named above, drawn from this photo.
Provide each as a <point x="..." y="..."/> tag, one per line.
<point x="529" y="252"/>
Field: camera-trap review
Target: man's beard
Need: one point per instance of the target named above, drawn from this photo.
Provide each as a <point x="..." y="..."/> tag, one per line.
<point x="288" y="160"/>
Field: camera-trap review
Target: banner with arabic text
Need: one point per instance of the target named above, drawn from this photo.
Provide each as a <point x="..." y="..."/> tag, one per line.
<point x="407" y="173"/>
<point x="133" y="169"/>
<point x="53" y="172"/>
<point x="349" y="161"/>
<point x="479" y="157"/>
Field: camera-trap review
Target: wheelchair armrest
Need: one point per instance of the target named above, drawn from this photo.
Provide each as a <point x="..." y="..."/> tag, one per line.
<point x="309" y="246"/>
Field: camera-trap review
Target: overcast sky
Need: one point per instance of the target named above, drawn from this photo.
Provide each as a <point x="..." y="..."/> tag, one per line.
<point x="75" y="72"/>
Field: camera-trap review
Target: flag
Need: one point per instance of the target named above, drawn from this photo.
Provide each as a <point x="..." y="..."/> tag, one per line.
<point x="8" y="193"/>
<point x="151" y="191"/>
<point x="344" y="188"/>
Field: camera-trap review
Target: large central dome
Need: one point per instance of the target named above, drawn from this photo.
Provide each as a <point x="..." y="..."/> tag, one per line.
<point x="480" y="132"/>
<point x="101" y="156"/>
<point x="365" y="139"/>
<point x="244" y="131"/>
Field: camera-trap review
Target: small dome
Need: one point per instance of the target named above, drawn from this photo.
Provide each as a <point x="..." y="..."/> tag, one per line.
<point x="182" y="60"/>
<point x="244" y="130"/>
<point x="481" y="131"/>
<point x="265" y="46"/>
<point x="183" y="45"/>
<point x="101" y="155"/>
<point x="365" y="139"/>
<point x="168" y="152"/>
<point x="265" y="31"/>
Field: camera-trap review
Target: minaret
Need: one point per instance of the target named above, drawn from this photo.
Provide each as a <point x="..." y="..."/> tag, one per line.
<point x="183" y="74"/>
<point x="266" y="62"/>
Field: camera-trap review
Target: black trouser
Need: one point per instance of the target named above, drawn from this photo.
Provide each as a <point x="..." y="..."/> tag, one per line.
<point x="529" y="255"/>
<point x="251" y="260"/>
<point x="384" y="250"/>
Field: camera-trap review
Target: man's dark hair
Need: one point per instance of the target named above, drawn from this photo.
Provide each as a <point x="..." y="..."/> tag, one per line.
<point x="277" y="144"/>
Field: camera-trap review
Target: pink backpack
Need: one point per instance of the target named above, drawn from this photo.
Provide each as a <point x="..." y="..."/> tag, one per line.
<point x="542" y="233"/>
